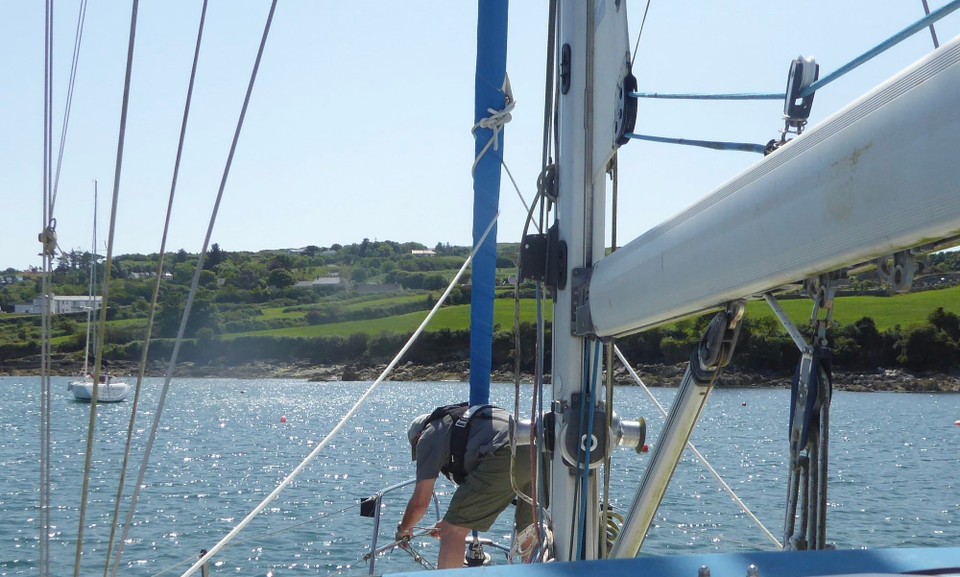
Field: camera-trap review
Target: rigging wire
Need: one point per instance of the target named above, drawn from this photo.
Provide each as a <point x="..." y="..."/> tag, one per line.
<point x="699" y="455"/>
<point x="925" y="22"/>
<point x="47" y="254"/>
<point x="259" y="537"/>
<point x="78" y="38"/>
<point x="353" y="410"/>
<point x="607" y="512"/>
<point x="538" y="490"/>
<point x="146" y="339"/>
<point x="195" y="283"/>
<point x="636" y="46"/>
<point x="171" y="367"/>
<point x="104" y="298"/>
<point x="933" y="31"/>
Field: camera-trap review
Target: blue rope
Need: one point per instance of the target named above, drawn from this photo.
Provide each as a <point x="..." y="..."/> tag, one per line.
<point x="716" y="145"/>
<point x="883" y="46"/>
<point x="590" y="404"/>
<point x="582" y="473"/>
<point x="736" y="96"/>
<point x="897" y="38"/>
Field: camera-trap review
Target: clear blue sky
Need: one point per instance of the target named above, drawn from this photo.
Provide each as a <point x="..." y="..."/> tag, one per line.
<point x="360" y="122"/>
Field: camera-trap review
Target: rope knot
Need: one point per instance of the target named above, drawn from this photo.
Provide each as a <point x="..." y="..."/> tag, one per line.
<point x="48" y="238"/>
<point x="495" y="122"/>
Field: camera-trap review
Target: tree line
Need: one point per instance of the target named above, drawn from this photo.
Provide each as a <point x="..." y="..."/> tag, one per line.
<point x="235" y="287"/>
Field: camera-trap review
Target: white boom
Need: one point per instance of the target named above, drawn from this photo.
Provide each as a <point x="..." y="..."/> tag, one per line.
<point x="878" y="177"/>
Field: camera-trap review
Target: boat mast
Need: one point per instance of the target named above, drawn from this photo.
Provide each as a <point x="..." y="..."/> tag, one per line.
<point x="489" y="96"/>
<point x="593" y="59"/>
<point x="91" y="292"/>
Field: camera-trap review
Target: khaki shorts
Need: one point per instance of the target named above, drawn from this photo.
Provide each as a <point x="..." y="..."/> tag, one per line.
<point x="487" y="491"/>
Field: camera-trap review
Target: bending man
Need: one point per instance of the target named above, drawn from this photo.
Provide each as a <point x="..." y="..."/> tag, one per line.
<point x="472" y="448"/>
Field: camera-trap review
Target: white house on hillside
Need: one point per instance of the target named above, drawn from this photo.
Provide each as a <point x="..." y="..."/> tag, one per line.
<point x="60" y="305"/>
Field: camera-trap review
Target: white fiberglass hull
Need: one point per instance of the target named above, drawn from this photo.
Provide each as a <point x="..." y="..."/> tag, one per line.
<point x="112" y="392"/>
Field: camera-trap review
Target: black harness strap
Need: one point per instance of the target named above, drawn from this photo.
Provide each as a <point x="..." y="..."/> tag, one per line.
<point x="459" y="434"/>
<point x="462" y="415"/>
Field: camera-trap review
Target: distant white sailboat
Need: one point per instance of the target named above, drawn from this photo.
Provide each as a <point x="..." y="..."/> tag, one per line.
<point x="109" y="389"/>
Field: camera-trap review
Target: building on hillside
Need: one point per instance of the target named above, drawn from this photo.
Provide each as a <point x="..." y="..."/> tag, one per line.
<point x="334" y="282"/>
<point x="8" y="279"/>
<point x="428" y="252"/>
<point x="379" y="289"/>
<point x="142" y="275"/>
<point x="147" y="275"/>
<point x="61" y="305"/>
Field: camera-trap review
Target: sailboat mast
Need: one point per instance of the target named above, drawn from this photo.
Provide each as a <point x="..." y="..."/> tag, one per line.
<point x="92" y="284"/>
<point x="489" y="96"/>
<point x="593" y="61"/>
<point x="580" y="202"/>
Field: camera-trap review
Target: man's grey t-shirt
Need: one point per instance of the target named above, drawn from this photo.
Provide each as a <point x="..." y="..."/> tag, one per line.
<point x="486" y="436"/>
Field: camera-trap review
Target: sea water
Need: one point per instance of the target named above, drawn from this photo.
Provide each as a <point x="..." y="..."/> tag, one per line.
<point x="223" y="445"/>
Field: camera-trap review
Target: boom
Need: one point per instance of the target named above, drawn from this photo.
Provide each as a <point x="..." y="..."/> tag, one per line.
<point x="878" y="177"/>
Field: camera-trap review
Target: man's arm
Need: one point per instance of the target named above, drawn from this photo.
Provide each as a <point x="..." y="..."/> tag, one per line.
<point x="416" y="508"/>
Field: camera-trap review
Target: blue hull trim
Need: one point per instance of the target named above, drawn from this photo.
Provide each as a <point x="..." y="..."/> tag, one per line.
<point x="491" y="71"/>
<point x="770" y="564"/>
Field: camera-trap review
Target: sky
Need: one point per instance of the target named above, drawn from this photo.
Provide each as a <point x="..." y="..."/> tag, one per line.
<point x="359" y="124"/>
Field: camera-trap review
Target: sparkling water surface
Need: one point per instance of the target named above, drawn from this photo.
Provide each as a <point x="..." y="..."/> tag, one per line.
<point x="225" y="444"/>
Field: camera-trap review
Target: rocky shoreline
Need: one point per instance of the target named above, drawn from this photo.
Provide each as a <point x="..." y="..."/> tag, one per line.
<point x="881" y="380"/>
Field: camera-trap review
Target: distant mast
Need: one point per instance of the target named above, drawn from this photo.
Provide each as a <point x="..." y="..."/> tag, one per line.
<point x="490" y="78"/>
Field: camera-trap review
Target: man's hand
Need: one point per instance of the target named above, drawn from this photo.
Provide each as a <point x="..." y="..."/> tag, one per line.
<point x="403" y="536"/>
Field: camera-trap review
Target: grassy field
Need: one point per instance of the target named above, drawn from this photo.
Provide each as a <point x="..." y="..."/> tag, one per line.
<point x="455" y="317"/>
<point x="886" y="312"/>
<point x="350" y="305"/>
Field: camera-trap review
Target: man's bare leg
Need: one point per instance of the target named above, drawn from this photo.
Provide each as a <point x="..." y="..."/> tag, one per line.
<point x="452" y="543"/>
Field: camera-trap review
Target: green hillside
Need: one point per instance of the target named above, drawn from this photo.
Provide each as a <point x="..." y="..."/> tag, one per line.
<point x="288" y="304"/>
